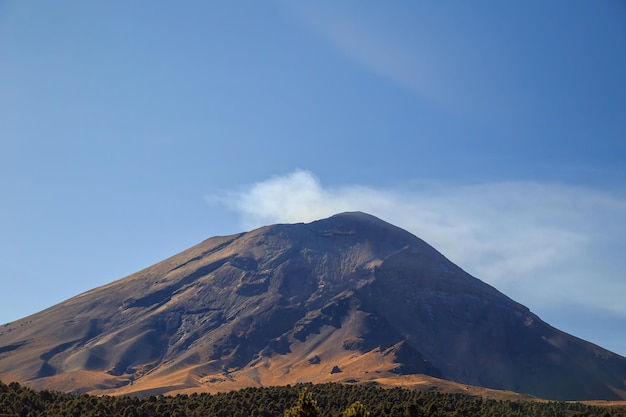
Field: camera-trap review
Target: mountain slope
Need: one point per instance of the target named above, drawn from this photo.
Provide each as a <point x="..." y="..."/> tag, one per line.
<point x="349" y="298"/>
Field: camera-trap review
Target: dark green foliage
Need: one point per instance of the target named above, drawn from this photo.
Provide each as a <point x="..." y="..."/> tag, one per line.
<point x="306" y="406"/>
<point x="333" y="400"/>
<point x="356" y="409"/>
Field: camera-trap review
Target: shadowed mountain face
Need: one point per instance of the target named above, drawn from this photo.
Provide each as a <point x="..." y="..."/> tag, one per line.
<point x="350" y="298"/>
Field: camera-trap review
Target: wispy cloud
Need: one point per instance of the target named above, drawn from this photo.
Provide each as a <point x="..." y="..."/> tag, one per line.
<point x="542" y="244"/>
<point x="435" y="62"/>
<point x="374" y="49"/>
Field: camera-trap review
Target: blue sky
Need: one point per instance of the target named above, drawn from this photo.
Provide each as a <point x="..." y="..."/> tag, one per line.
<point x="493" y="130"/>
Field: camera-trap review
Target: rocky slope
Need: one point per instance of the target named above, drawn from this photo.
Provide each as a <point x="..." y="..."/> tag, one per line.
<point x="350" y="298"/>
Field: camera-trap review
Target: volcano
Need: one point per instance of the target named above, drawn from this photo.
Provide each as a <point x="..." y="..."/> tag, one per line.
<point x="350" y="299"/>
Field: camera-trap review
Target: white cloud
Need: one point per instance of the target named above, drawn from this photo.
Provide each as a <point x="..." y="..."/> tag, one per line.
<point x="544" y="245"/>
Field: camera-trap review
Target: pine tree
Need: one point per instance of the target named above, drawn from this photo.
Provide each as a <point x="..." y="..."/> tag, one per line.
<point x="305" y="407"/>
<point x="355" y="409"/>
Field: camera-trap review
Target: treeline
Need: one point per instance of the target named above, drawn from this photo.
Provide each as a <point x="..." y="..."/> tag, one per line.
<point x="327" y="400"/>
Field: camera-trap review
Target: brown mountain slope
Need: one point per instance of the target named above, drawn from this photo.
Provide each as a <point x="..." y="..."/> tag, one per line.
<point x="349" y="298"/>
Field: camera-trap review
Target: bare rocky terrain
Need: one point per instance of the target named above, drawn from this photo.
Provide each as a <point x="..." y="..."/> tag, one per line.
<point x="347" y="299"/>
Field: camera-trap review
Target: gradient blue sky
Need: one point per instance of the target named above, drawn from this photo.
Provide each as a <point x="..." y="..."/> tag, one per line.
<point x="496" y="131"/>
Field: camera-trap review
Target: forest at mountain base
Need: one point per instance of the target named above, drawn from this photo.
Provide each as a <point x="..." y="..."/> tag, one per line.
<point x="331" y="399"/>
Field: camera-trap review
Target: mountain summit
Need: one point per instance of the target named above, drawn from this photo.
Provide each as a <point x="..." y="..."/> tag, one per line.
<point x="350" y="298"/>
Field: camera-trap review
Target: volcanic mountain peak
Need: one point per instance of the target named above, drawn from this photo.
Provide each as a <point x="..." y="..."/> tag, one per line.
<point x="291" y="303"/>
